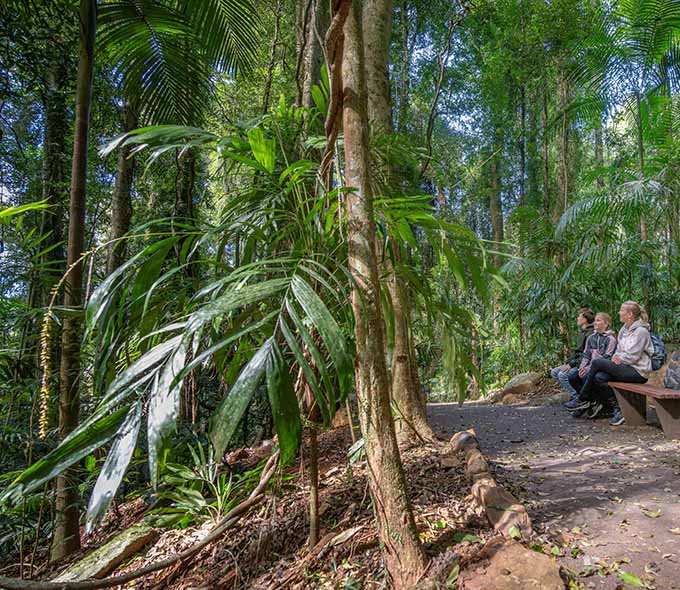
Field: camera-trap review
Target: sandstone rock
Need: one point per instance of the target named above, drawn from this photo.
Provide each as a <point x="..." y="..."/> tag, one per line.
<point x="462" y="441"/>
<point x="477" y="466"/>
<point x="105" y="559"/>
<point x="507" y="565"/>
<point x="672" y="376"/>
<point x="522" y="383"/>
<point x="502" y="509"/>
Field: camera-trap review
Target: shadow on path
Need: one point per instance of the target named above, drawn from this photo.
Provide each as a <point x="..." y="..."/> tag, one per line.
<point x="611" y="495"/>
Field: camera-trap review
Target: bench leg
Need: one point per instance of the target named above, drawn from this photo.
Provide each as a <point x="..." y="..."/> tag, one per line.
<point x="633" y="407"/>
<point x="668" y="411"/>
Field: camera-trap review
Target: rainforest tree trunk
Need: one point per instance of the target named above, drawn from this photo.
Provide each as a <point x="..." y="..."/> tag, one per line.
<point x="562" y="199"/>
<point x="547" y="201"/>
<point x="377" y="30"/>
<point x="66" y="538"/>
<point x="522" y="146"/>
<point x="405" y="67"/>
<point x="312" y="20"/>
<point x="403" y="552"/>
<point x="53" y="177"/>
<point x="411" y="419"/>
<point x="121" y="201"/>
<point x="412" y="423"/>
<point x="495" y="204"/>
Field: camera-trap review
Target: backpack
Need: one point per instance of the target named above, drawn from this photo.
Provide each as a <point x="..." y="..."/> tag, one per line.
<point x="659" y="354"/>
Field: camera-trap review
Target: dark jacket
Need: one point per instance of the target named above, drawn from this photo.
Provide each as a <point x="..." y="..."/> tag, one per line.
<point x="598" y="346"/>
<point x="574" y="359"/>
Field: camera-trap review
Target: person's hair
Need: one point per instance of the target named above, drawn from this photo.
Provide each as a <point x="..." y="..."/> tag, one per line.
<point x="587" y="313"/>
<point x="639" y="312"/>
<point x="606" y="317"/>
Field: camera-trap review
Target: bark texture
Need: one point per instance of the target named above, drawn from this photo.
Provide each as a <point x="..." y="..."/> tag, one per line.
<point x="377" y="30"/>
<point x="495" y="204"/>
<point x="562" y="159"/>
<point x="411" y="425"/>
<point x="53" y="176"/>
<point x="403" y="553"/>
<point x="66" y="537"/>
<point x="312" y="23"/>
<point x="121" y="201"/>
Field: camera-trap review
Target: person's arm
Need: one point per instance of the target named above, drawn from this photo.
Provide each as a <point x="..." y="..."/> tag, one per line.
<point x="611" y="347"/>
<point x="639" y="347"/>
<point x="587" y="356"/>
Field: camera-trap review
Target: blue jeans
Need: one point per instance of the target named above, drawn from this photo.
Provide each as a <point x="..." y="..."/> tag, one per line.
<point x="563" y="377"/>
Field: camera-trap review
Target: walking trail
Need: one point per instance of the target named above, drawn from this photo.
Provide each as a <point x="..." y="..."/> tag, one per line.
<point x="608" y="498"/>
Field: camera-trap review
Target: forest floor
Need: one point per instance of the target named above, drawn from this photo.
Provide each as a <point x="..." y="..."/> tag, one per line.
<point x="607" y="497"/>
<point x="604" y="501"/>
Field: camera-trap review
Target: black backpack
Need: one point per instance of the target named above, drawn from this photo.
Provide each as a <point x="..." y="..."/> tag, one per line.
<point x="659" y="354"/>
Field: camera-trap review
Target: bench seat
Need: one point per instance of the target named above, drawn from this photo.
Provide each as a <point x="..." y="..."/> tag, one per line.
<point x="632" y="398"/>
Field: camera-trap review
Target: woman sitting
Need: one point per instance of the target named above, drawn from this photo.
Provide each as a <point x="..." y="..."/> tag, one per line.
<point x="630" y="364"/>
<point x="600" y="345"/>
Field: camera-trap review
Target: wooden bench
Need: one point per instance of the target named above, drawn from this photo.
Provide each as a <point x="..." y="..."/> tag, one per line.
<point x="632" y="401"/>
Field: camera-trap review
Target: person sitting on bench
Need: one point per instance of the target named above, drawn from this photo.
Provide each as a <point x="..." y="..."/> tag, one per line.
<point x="569" y="369"/>
<point x="630" y="364"/>
<point x="600" y="345"/>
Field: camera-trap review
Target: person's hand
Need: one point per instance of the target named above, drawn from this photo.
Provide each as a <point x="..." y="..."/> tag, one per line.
<point x="565" y="367"/>
<point x="582" y="372"/>
<point x="616" y="359"/>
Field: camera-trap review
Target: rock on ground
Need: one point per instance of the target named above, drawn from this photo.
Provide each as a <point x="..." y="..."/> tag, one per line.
<point x="672" y="372"/>
<point x="522" y="383"/>
<point x="105" y="559"/>
<point x="507" y="565"/>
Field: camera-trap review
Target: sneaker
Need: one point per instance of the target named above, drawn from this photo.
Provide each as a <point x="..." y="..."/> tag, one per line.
<point x="594" y="411"/>
<point x="617" y="419"/>
<point x="572" y="403"/>
<point x="580" y="413"/>
<point x="579" y="405"/>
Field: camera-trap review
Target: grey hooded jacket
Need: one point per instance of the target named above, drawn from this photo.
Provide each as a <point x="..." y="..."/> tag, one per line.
<point x="635" y="347"/>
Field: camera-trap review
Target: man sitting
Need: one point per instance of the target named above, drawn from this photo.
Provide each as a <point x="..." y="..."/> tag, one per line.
<point x="570" y="367"/>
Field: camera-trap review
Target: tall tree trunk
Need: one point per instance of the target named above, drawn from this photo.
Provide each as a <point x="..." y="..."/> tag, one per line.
<point x="66" y="538"/>
<point x="377" y="30"/>
<point x="313" y="56"/>
<point x="495" y="204"/>
<point x="53" y="176"/>
<point x="562" y="199"/>
<point x="405" y="67"/>
<point x="312" y="21"/>
<point x="522" y="145"/>
<point x="412" y="423"/>
<point x="547" y="201"/>
<point x="411" y="408"/>
<point x="403" y="552"/>
<point x="641" y="160"/>
<point x="121" y="201"/>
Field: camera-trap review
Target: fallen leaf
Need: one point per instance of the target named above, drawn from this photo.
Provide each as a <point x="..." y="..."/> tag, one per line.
<point x="650" y="513"/>
<point x="345" y="536"/>
<point x="631" y="579"/>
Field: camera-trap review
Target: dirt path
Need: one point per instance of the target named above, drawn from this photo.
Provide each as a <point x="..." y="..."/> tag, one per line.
<point x="608" y="497"/>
